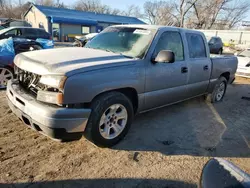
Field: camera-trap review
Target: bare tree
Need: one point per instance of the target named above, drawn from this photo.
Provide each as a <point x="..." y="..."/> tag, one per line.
<point x="218" y="14"/>
<point x="51" y="3"/>
<point x="134" y="11"/>
<point x="183" y="7"/>
<point x="235" y="13"/>
<point x="159" y="12"/>
<point x="9" y="10"/>
<point x="95" y="6"/>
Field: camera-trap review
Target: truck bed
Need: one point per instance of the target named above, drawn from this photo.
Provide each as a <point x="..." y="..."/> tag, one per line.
<point x="223" y="64"/>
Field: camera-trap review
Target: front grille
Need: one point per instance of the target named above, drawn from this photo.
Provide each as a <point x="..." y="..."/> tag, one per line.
<point x="28" y="80"/>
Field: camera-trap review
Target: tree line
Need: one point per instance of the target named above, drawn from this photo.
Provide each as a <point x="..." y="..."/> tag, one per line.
<point x="198" y="14"/>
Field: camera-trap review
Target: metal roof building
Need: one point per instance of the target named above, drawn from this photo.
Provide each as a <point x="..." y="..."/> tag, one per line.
<point x="65" y="24"/>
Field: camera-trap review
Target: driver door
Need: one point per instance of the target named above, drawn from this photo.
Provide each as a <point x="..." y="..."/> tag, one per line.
<point x="166" y="83"/>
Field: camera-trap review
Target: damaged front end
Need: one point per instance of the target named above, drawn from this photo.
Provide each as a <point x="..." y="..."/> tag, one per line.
<point x="45" y="90"/>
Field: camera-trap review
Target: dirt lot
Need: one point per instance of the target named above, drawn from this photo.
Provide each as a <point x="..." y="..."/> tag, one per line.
<point x="164" y="148"/>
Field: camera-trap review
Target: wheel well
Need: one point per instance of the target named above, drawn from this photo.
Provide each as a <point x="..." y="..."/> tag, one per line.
<point x="131" y="93"/>
<point x="10" y="66"/>
<point x="226" y="75"/>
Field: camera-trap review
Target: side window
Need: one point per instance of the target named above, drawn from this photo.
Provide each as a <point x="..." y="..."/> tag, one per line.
<point x="42" y="34"/>
<point x="14" y="32"/>
<point x="30" y="32"/>
<point x="196" y="46"/>
<point x="171" y="40"/>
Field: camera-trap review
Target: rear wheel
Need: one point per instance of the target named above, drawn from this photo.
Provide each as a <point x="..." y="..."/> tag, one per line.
<point x="6" y="74"/>
<point x="110" y="119"/>
<point x="219" y="90"/>
<point x="220" y="52"/>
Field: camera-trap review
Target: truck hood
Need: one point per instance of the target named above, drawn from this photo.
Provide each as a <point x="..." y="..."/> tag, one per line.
<point x="66" y="61"/>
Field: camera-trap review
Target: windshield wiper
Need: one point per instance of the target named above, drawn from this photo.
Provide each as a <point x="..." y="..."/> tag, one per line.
<point x="127" y="56"/>
<point x="108" y="50"/>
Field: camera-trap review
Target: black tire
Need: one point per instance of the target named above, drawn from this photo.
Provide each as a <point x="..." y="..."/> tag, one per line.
<point x="99" y="107"/>
<point x="213" y="98"/>
<point x="220" y="51"/>
<point x="35" y="47"/>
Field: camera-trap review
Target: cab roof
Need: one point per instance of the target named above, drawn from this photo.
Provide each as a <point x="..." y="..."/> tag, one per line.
<point x="155" y="27"/>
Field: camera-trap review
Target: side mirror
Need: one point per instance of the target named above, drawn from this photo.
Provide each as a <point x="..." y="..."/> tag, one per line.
<point x="165" y="56"/>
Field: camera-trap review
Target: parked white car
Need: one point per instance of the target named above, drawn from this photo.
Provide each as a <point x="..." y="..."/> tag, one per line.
<point x="243" y="69"/>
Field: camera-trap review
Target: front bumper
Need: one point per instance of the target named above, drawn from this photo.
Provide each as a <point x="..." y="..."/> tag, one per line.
<point x="56" y="122"/>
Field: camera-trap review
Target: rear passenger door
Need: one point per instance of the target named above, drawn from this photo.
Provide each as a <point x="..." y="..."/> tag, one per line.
<point x="199" y="65"/>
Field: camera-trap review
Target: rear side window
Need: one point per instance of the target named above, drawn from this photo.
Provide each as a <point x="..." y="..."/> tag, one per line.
<point x="31" y="32"/>
<point x="43" y="34"/>
<point x="196" y="46"/>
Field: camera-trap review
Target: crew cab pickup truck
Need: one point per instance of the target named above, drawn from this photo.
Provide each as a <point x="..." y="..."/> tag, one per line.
<point x="125" y="70"/>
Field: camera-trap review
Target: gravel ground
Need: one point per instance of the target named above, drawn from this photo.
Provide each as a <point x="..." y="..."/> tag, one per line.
<point x="164" y="148"/>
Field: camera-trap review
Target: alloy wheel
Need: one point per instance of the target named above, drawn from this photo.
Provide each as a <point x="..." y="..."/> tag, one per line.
<point x="113" y="121"/>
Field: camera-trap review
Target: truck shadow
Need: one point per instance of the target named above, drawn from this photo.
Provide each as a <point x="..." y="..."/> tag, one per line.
<point x="109" y="183"/>
<point x="195" y="127"/>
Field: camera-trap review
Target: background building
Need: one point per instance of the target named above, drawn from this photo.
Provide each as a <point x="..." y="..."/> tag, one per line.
<point x="65" y="24"/>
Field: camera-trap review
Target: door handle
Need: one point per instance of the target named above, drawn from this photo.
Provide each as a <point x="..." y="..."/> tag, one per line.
<point x="205" y="67"/>
<point x="184" y="69"/>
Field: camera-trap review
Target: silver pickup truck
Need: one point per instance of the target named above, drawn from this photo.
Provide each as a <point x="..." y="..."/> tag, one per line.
<point x="125" y="70"/>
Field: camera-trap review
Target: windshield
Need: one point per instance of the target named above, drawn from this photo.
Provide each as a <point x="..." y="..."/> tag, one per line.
<point x="245" y="53"/>
<point x="4" y="30"/>
<point x="131" y="42"/>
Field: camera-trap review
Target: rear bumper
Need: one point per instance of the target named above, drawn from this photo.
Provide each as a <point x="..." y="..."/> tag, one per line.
<point x="231" y="79"/>
<point x="56" y="122"/>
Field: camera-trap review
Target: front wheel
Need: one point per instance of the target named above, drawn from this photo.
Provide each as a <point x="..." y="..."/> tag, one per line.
<point x="77" y="44"/>
<point x="6" y="74"/>
<point x="220" y="52"/>
<point x="110" y="119"/>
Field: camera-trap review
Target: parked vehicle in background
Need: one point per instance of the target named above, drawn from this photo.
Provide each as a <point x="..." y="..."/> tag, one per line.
<point x="80" y="41"/>
<point x="14" y="46"/>
<point x="124" y="70"/>
<point x="221" y="173"/>
<point x="24" y="32"/>
<point x="215" y="45"/>
<point x="243" y="69"/>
